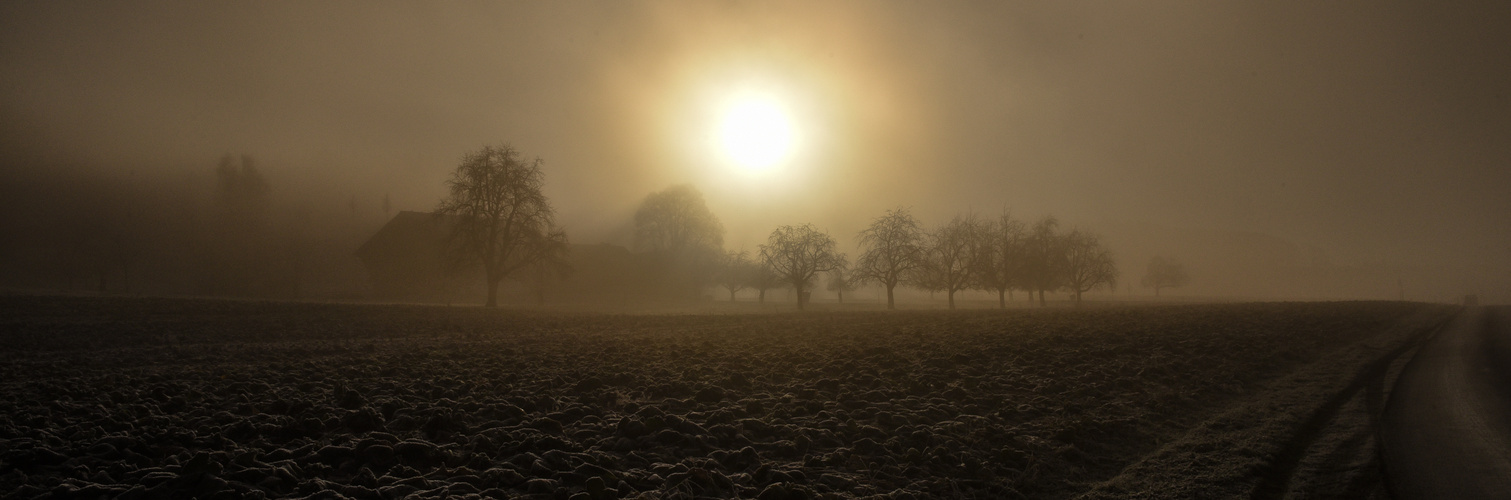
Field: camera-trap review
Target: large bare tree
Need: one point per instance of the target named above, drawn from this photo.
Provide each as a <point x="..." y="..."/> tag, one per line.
<point x="890" y="251"/>
<point x="797" y="254"/>
<point x="1165" y="273"/>
<point x="1088" y="264"/>
<point x="1044" y="260"/>
<point x="1000" y="257"/>
<point x="499" y="216"/>
<point x="949" y="254"/>
<point x="684" y="239"/>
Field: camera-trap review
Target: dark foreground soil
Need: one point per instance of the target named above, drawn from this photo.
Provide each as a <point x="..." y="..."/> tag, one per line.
<point x="165" y="398"/>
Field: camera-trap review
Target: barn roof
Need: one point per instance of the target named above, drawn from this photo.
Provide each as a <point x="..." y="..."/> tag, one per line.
<point x="408" y="231"/>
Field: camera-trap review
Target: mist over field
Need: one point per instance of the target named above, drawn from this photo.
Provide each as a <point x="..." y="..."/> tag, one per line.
<point x="775" y="250"/>
<point x="1308" y="151"/>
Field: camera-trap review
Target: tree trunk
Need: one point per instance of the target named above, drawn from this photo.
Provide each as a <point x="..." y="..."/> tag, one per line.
<point x="951" y="294"/>
<point x="1002" y="299"/>
<point x="796" y="287"/>
<point x="1041" y="297"/>
<point x="492" y="293"/>
<point x="762" y="297"/>
<point x="841" y="293"/>
<point x="540" y="284"/>
<point x="731" y="295"/>
<point x="890" y="304"/>
<point x="1010" y="295"/>
<point x="1078" y="297"/>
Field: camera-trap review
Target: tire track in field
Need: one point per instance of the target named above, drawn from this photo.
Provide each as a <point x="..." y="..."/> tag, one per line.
<point x="1369" y="386"/>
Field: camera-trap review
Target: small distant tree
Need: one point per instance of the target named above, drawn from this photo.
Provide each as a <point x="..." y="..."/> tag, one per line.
<point x="502" y="219"/>
<point x="949" y="255"/>
<point x="1044" y="258"/>
<point x="840" y="280"/>
<point x="797" y="254"/>
<point x="1088" y="264"/>
<point x="1000" y="257"/>
<point x="674" y="219"/>
<point x="237" y="251"/>
<point x="763" y="278"/>
<point x="684" y="238"/>
<point x="1165" y="273"/>
<point x="736" y="272"/>
<point x="891" y="250"/>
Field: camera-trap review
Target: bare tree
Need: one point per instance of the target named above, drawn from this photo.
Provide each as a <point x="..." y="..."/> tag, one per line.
<point x="736" y="272"/>
<point x="891" y="250"/>
<point x="763" y="278"/>
<point x="1088" y="264"/>
<point x="684" y="238"/>
<point x="1044" y="261"/>
<point x="676" y="218"/>
<point x="1000" y="257"/>
<point x="502" y="219"/>
<point x="949" y="257"/>
<point x="798" y="253"/>
<point x="1165" y="273"/>
<point x="840" y="280"/>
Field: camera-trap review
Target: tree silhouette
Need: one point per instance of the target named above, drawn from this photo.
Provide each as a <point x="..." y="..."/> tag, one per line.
<point x="949" y="254"/>
<point x="1165" y="273"/>
<point x="684" y="238"/>
<point x="840" y="280"/>
<point x="1088" y="264"/>
<point x="676" y="218"/>
<point x="736" y="272"/>
<point x="891" y="250"/>
<point x="1044" y="261"/>
<point x="763" y="278"/>
<point x="798" y="253"/>
<point x="1001" y="257"/>
<point x="237" y="253"/>
<point x="501" y="217"/>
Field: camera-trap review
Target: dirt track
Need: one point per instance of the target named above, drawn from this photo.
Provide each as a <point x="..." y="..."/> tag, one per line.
<point x="1447" y="427"/>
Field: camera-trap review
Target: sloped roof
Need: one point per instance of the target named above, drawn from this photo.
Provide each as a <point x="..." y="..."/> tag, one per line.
<point x="406" y="231"/>
<point x="422" y="233"/>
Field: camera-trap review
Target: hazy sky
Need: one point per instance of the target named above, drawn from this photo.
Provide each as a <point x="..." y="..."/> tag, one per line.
<point x="1377" y="132"/>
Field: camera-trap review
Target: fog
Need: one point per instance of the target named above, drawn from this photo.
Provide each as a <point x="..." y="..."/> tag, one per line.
<point x="1281" y="151"/>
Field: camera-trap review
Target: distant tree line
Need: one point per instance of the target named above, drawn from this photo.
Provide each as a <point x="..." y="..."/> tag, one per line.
<point x="972" y="253"/>
<point x="968" y="253"/>
<point x="499" y="225"/>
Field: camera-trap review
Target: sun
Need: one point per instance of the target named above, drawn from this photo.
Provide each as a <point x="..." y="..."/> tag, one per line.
<point x="756" y="132"/>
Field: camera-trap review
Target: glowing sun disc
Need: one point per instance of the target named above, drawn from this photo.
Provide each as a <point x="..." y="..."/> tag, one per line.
<point x="756" y="133"/>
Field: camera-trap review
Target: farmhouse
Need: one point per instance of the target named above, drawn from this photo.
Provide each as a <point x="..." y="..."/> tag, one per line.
<point x="410" y="258"/>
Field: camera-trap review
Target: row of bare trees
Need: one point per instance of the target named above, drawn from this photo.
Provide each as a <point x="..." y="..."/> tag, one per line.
<point x="973" y="253"/>
<point x="968" y="253"/>
<point x="505" y="223"/>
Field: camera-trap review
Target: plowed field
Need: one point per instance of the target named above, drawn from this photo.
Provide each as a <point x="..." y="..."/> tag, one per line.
<point x="226" y="399"/>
